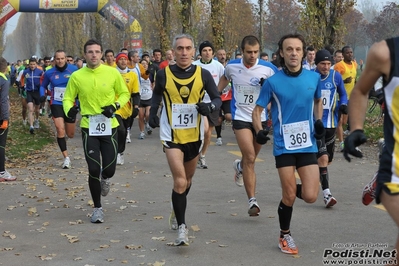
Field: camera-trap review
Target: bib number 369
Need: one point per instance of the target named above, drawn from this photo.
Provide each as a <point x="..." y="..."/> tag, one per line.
<point x="296" y="135"/>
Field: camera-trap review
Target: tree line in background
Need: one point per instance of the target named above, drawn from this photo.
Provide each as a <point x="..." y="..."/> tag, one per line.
<point x="223" y="22"/>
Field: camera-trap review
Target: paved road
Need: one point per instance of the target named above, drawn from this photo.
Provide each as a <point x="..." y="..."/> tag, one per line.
<point x="44" y="216"/>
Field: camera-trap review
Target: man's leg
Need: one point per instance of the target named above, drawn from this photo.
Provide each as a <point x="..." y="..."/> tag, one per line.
<point x="391" y="203"/>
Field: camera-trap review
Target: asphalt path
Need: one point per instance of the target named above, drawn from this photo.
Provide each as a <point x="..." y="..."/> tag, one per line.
<point x="44" y="215"/>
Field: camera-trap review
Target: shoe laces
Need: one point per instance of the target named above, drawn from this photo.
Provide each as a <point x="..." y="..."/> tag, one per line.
<point x="290" y="241"/>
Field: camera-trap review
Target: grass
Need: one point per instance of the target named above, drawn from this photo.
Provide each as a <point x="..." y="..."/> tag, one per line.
<point x="23" y="148"/>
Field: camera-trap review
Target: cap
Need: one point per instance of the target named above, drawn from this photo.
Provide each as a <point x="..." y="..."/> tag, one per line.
<point x="322" y="55"/>
<point x="120" y="55"/>
<point x="145" y="54"/>
<point x="205" y="44"/>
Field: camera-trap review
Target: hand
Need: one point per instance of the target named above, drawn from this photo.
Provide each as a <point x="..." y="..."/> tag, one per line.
<point x="4" y="125"/>
<point x="262" y="137"/>
<point x="73" y="112"/>
<point x="109" y="110"/>
<point x="42" y="99"/>
<point x="343" y="108"/>
<point x="348" y="80"/>
<point x="204" y="108"/>
<point x="135" y="112"/>
<point x="147" y="72"/>
<point x="319" y="130"/>
<point x="355" y="139"/>
<point x="153" y="121"/>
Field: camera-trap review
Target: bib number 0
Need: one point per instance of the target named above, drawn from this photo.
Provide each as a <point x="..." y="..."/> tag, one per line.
<point x="99" y="125"/>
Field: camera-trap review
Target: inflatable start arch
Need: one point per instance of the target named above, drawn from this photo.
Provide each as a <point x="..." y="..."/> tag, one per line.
<point x="108" y="9"/>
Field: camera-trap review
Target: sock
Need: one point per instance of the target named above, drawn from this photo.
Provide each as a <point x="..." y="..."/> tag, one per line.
<point x="179" y="202"/>
<point x="324" y="177"/>
<point x="62" y="144"/>
<point x="284" y="233"/>
<point x="218" y="130"/>
<point x="284" y="216"/>
<point x="251" y="199"/>
<point x="299" y="191"/>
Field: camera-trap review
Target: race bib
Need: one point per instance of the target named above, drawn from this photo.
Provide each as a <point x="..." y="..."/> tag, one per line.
<point x="325" y="96"/>
<point x="297" y="135"/>
<point x="99" y="125"/>
<point x="59" y="93"/>
<point x="247" y="95"/>
<point x="184" y="116"/>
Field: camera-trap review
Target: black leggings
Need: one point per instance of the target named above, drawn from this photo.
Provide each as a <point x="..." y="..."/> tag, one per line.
<point x="3" y="138"/>
<point x="122" y="133"/>
<point x="94" y="147"/>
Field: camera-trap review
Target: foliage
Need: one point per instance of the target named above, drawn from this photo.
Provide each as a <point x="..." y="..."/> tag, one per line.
<point x="217" y="21"/>
<point x="322" y="21"/>
<point x="356" y="26"/>
<point x="385" y="24"/>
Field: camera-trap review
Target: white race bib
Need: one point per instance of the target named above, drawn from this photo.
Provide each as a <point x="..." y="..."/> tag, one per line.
<point x="325" y="96"/>
<point x="297" y="135"/>
<point x="184" y="116"/>
<point x="247" y="95"/>
<point x="59" y="93"/>
<point x="99" y="125"/>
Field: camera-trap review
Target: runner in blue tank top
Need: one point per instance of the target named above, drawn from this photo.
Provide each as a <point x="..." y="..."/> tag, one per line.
<point x="295" y="97"/>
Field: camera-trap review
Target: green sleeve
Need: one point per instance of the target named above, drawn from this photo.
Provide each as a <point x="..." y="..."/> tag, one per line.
<point x="70" y="95"/>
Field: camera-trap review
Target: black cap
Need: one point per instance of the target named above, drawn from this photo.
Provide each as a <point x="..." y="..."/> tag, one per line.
<point x="322" y="55"/>
<point x="205" y="44"/>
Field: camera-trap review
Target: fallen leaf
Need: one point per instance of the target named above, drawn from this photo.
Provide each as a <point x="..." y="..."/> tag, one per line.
<point x="159" y="263"/>
<point x="122" y="207"/>
<point x="158" y="217"/>
<point x="114" y="241"/>
<point x="231" y="201"/>
<point x="210" y="212"/>
<point x="161" y="238"/>
<point x="233" y="214"/>
<point x="32" y="211"/>
<point x="78" y="258"/>
<point x="111" y="259"/>
<point x="133" y="247"/>
<point x="104" y="246"/>
<point x="124" y="261"/>
<point x="195" y="228"/>
<point x="223" y="246"/>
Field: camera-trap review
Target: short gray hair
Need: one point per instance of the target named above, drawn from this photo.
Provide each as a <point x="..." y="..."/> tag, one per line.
<point x="182" y="36"/>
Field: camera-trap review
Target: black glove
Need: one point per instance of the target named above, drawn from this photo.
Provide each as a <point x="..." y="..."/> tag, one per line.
<point x="319" y="130"/>
<point x="355" y="139"/>
<point x="42" y="99"/>
<point x="147" y="72"/>
<point x="73" y="111"/>
<point x="204" y="108"/>
<point x="343" y="108"/>
<point x="135" y="112"/>
<point x="262" y="137"/>
<point x="108" y="110"/>
<point x="261" y="81"/>
<point x="153" y="121"/>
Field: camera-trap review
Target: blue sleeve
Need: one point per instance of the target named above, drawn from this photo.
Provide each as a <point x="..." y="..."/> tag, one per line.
<point x="343" y="98"/>
<point x="44" y="85"/>
<point x="265" y="94"/>
<point x="317" y="94"/>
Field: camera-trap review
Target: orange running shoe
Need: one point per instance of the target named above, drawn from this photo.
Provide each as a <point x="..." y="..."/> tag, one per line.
<point x="287" y="245"/>
<point x="369" y="190"/>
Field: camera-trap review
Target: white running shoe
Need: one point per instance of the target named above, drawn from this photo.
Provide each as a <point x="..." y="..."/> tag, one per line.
<point x="202" y="163"/>
<point x="36" y="124"/>
<point x="329" y="201"/>
<point x="105" y="186"/>
<point x="128" y="140"/>
<point x="67" y="163"/>
<point x="182" y="236"/>
<point x="219" y="142"/>
<point x="254" y="209"/>
<point x="6" y="176"/>
<point x="172" y="219"/>
<point x="238" y="175"/>
<point x="97" y="216"/>
<point x="148" y="129"/>
<point x="118" y="159"/>
<point x="142" y="135"/>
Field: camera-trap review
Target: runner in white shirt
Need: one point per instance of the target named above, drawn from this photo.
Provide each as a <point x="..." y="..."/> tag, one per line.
<point x="217" y="70"/>
<point x="246" y="75"/>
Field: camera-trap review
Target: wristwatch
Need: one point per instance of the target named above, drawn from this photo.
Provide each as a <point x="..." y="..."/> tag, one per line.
<point x="117" y="105"/>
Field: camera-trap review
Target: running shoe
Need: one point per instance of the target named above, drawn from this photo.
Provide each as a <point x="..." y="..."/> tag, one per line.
<point x="381" y="145"/>
<point x="148" y="129"/>
<point x="219" y="142"/>
<point x="172" y="219"/>
<point x="128" y="140"/>
<point x="97" y="216"/>
<point x="105" y="186"/>
<point x="341" y="146"/>
<point x="67" y="163"/>
<point x="369" y="190"/>
<point x="120" y="159"/>
<point x="346" y="132"/>
<point x="287" y="245"/>
<point x="238" y="174"/>
<point x="329" y="201"/>
<point x="24" y="122"/>
<point x="254" y="209"/>
<point x="32" y="130"/>
<point x="182" y="236"/>
<point x="142" y="135"/>
<point x="202" y="163"/>
<point x="36" y="124"/>
<point x="6" y="176"/>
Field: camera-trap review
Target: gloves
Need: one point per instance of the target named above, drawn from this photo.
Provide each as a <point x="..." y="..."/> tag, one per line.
<point x="262" y="137"/>
<point x="73" y="111"/>
<point x="356" y="138"/>
<point x="204" y="108"/>
<point x="343" y="108"/>
<point x="147" y="72"/>
<point x="153" y="121"/>
<point x="135" y="112"/>
<point x="319" y="130"/>
<point x="109" y="110"/>
<point x="42" y="99"/>
<point x="4" y="125"/>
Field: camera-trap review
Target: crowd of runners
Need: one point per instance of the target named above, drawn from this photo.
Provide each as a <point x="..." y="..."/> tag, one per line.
<point x="301" y="96"/>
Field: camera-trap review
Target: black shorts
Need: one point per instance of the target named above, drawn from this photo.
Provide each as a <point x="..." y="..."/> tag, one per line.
<point x="33" y="97"/>
<point x="190" y="150"/>
<point x="238" y="124"/>
<point x="295" y="159"/>
<point x="226" y="108"/>
<point x="145" y="103"/>
<point x="57" y="111"/>
<point x="213" y="119"/>
<point x="327" y="144"/>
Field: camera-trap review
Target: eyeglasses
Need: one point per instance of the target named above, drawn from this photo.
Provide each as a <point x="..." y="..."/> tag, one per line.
<point x="70" y="60"/>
